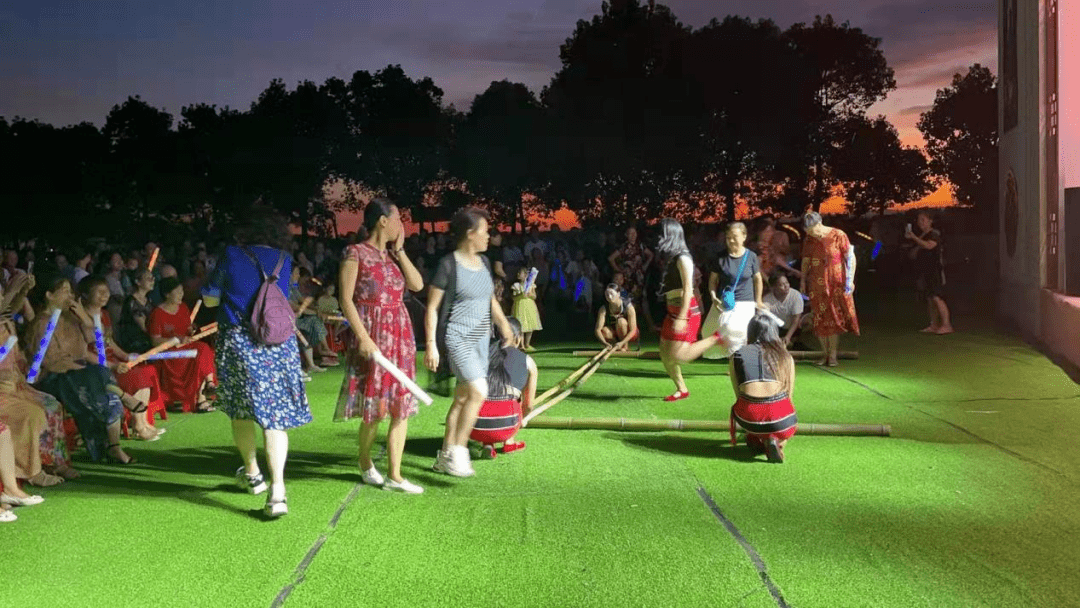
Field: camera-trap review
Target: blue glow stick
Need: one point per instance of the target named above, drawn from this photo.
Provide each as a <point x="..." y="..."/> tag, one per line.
<point x="35" y="366"/>
<point x="99" y="339"/>
<point x="877" y="250"/>
<point x="18" y="318"/>
<point x="579" y="289"/>
<point x="8" y="346"/>
<point x="173" y="354"/>
<point x="530" y="279"/>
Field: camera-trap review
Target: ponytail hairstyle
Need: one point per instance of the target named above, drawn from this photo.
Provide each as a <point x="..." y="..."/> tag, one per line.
<point x="498" y="378"/>
<point x="764" y="332"/>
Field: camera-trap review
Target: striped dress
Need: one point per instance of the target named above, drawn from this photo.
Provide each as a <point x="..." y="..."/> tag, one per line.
<point x="469" y="329"/>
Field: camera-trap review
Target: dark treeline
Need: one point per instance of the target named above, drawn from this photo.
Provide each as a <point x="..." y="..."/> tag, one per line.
<point x="646" y="117"/>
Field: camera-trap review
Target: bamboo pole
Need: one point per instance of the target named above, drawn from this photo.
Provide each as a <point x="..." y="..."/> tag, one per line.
<point x="798" y="355"/>
<point x="571" y="376"/>
<point x="567" y="391"/>
<point x="639" y="424"/>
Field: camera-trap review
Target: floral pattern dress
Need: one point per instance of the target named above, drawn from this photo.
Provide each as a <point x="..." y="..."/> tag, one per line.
<point x="367" y="390"/>
<point x="825" y="278"/>
<point x="632" y="263"/>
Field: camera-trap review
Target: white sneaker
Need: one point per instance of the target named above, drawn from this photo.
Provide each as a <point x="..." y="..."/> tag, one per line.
<point x="252" y="484"/>
<point x="405" y="486"/>
<point x="372" y="477"/>
<point x="15" y="501"/>
<point x="276" y="508"/>
<point x="305" y="378"/>
<point x="459" y="464"/>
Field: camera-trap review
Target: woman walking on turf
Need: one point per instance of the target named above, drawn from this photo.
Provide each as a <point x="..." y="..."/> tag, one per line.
<point x="678" y="336"/>
<point x="260" y="383"/>
<point x="373" y="278"/>
<point x="738" y="276"/>
<point x="828" y="267"/>
<point x="763" y="376"/>
<point x="461" y="306"/>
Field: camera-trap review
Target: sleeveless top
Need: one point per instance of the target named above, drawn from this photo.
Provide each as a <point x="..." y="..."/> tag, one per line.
<point x="517" y="368"/>
<point x="672" y="276"/>
<point x="612" y="318"/>
<point x="749" y="365"/>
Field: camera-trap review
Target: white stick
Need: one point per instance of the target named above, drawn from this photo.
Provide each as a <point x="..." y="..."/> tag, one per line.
<point x="405" y="381"/>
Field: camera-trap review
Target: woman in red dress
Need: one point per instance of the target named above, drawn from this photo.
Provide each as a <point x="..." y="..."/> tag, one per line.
<point x="185" y="380"/>
<point x="373" y="280"/>
<point x="828" y="267"/>
<point x="141" y="381"/>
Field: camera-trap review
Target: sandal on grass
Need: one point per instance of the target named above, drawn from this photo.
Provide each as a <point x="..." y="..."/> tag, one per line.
<point x="44" y="480"/>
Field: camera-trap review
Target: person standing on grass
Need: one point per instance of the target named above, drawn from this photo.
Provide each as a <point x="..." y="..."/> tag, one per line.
<point x="678" y="337"/>
<point x="260" y="384"/>
<point x="930" y="269"/>
<point x="461" y="306"/>
<point x="374" y="276"/>
<point x="763" y="376"/>
<point x="525" y="309"/>
<point x="828" y="267"/>
<point x="738" y="277"/>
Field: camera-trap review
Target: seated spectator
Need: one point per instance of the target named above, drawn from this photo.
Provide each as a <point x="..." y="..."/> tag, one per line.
<point x="141" y="381"/>
<point x="786" y="303"/>
<point x="12" y="495"/>
<point x="184" y="381"/>
<point x="307" y="322"/>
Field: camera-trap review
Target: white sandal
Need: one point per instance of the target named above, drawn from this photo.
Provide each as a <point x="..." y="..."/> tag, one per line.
<point x="7" y="515"/>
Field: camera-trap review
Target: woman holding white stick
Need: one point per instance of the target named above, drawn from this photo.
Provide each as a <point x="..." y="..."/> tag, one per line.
<point x="373" y="279"/>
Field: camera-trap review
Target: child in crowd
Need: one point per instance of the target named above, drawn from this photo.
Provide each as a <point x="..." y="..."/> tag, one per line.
<point x="525" y="309"/>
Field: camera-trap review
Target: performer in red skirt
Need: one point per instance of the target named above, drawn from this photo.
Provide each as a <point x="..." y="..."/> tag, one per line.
<point x="511" y="379"/>
<point x="185" y="380"/>
<point x="679" y="336"/>
<point x="763" y="375"/>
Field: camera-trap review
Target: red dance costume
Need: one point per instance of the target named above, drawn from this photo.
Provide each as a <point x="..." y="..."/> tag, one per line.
<point x="181" y="378"/>
<point x="693" y="323"/>
<point x="763" y="419"/>
<point x="498" y="422"/>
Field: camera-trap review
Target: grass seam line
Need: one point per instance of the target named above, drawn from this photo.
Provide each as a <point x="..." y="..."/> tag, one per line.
<point x="301" y="568"/>
<point x="856" y="382"/>
<point x="751" y="552"/>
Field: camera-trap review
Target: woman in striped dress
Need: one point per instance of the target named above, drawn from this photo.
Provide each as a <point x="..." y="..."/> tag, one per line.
<point x="460" y="309"/>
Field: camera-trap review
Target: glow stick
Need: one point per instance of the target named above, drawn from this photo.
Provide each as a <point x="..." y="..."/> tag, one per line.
<point x="791" y="229"/>
<point x="865" y="236"/>
<point x="195" y="311"/>
<point x="402" y="378"/>
<point x="35" y="366"/>
<point x="173" y="354"/>
<point x="302" y="339"/>
<point x="18" y="318"/>
<point x="530" y="279"/>
<point x="877" y="250"/>
<point x="153" y="258"/>
<point x="164" y="346"/>
<point x="99" y="339"/>
<point x="579" y="289"/>
<point x="208" y="327"/>
<point x="6" y="348"/>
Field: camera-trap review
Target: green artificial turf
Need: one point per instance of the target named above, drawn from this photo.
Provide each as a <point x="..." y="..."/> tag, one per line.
<point x="974" y="501"/>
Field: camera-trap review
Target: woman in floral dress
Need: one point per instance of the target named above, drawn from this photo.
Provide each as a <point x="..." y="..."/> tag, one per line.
<point x="373" y="281"/>
<point x="828" y="266"/>
<point x="632" y="259"/>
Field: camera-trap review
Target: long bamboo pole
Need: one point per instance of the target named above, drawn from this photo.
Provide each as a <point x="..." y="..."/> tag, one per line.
<point x="567" y="391"/>
<point x="640" y="424"/>
<point x="798" y="355"/>
<point x="572" y="376"/>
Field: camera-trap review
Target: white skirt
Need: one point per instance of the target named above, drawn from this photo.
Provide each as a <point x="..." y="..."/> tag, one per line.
<point x="731" y="324"/>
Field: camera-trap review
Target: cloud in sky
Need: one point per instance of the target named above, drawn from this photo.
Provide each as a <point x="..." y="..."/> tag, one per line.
<point x="65" y="61"/>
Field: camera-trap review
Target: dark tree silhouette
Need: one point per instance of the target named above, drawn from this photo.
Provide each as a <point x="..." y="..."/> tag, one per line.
<point x="876" y="169"/>
<point x="961" y="131"/>
<point x="846" y="74"/>
<point x="623" y="132"/>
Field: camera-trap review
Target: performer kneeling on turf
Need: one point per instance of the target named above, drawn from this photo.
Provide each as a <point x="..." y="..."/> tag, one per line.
<point x="511" y="390"/>
<point x="678" y="338"/>
<point x="616" y="323"/>
<point x="763" y="375"/>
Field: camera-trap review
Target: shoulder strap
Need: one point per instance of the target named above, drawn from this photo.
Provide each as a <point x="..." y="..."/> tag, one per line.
<point x="280" y="263"/>
<point x="738" y="276"/>
<point x="250" y="254"/>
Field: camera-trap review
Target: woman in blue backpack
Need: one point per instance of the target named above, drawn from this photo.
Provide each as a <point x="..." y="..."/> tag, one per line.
<point x="260" y="383"/>
<point x="738" y="277"/>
